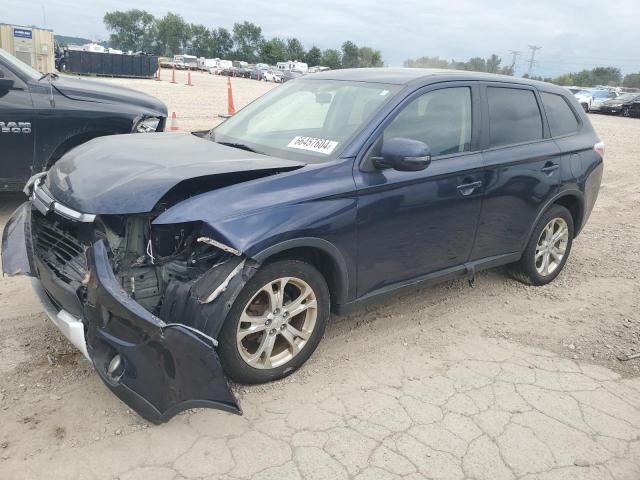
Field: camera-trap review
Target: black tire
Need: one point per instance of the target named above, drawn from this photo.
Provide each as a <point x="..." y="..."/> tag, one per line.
<point x="585" y="106"/>
<point x="232" y="361"/>
<point x="525" y="269"/>
<point x="625" y="112"/>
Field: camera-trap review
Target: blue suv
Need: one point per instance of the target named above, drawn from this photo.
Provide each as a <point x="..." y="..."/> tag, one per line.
<point x="176" y="261"/>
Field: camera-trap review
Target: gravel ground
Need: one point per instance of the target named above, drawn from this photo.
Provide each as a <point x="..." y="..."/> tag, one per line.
<point x="450" y="382"/>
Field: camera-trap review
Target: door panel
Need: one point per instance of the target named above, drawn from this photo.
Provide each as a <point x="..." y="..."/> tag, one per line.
<point x="518" y="182"/>
<point x="414" y="223"/>
<point x="16" y="134"/>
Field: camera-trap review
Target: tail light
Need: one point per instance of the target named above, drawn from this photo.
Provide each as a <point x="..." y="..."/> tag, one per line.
<point x="599" y="148"/>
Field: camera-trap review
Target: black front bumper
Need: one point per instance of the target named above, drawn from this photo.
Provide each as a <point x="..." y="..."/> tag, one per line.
<point x="157" y="369"/>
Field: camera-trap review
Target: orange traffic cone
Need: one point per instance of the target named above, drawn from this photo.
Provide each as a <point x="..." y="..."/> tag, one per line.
<point x="174" y="123"/>
<point x="173" y="77"/>
<point x="231" y="109"/>
<point x="189" y="78"/>
<point x="158" y="74"/>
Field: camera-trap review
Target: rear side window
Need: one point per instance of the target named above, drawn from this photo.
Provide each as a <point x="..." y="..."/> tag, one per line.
<point x="514" y="116"/>
<point x="562" y="120"/>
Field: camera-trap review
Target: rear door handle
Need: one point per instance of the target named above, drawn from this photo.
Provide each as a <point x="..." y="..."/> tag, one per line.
<point x="550" y="168"/>
<point x="469" y="188"/>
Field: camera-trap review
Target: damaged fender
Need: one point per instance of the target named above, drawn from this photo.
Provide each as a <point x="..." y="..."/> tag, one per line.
<point x="155" y="367"/>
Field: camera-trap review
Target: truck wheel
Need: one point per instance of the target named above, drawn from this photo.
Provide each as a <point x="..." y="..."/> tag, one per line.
<point x="275" y="323"/>
<point x="548" y="249"/>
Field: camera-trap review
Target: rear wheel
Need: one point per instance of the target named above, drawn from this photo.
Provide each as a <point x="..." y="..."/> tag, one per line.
<point x="548" y="249"/>
<point x="276" y="322"/>
<point x="585" y="106"/>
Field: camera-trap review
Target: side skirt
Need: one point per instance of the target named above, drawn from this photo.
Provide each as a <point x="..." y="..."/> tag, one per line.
<point x="467" y="270"/>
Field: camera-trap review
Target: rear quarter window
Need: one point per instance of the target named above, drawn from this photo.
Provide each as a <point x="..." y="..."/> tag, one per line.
<point x="562" y="120"/>
<point x="514" y="116"/>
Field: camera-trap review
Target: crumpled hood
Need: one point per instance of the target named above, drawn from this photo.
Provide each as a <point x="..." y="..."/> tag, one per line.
<point x="127" y="174"/>
<point x="102" y="92"/>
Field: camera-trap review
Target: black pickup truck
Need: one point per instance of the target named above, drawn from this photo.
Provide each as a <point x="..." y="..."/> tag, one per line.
<point x="44" y="116"/>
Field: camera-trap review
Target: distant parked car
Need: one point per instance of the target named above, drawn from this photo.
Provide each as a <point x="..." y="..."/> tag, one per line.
<point x="290" y="75"/>
<point x="599" y="97"/>
<point x="585" y="99"/>
<point x="634" y="109"/>
<point x="621" y="105"/>
<point x="273" y="75"/>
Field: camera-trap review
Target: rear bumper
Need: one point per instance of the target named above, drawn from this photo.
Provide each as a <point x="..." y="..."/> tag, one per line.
<point x="158" y="369"/>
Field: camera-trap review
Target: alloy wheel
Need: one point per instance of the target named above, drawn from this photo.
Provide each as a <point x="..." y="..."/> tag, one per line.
<point x="551" y="246"/>
<point x="277" y="323"/>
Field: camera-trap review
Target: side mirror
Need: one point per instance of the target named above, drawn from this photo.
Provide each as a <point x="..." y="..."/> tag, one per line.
<point x="6" y="84"/>
<point x="404" y="155"/>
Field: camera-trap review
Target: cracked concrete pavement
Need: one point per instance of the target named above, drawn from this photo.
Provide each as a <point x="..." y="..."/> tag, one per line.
<point x="481" y="409"/>
<point x="500" y="381"/>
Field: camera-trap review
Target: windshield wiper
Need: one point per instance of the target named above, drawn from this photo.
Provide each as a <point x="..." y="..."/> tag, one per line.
<point x="52" y="75"/>
<point x="241" y="146"/>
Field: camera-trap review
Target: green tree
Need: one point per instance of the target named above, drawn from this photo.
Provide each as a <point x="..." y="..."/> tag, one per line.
<point x="331" y="58"/>
<point x="631" y="80"/>
<point x="247" y="38"/>
<point x="201" y="41"/>
<point x="221" y="43"/>
<point x="368" y="57"/>
<point x="349" y="55"/>
<point x="427" y="62"/>
<point x="273" y="51"/>
<point x="493" y="64"/>
<point x="313" y="57"/>
<point x="295" y="50"/>
<point x="131" y="30"/>
<point x="174" y="34"/>
<point x="606" y="76"/>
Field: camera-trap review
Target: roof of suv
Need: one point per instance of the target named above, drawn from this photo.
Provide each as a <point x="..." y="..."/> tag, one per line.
<point x="403" y="76"/>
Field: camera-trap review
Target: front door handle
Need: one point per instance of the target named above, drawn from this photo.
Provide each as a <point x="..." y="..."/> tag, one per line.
<point x="468" y="188"/>
<point x="549" y="168"/>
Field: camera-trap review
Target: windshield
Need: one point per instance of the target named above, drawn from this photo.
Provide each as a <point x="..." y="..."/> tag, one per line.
<point x="305" y="120"/>
<point x="601" y="94"/>
<point x="19" y="66"/>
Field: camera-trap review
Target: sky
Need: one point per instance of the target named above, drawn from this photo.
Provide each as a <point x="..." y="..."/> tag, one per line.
<point x="573" y="34"/>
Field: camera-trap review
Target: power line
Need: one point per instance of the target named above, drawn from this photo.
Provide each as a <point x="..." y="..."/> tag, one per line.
<point x="533" y="49"/>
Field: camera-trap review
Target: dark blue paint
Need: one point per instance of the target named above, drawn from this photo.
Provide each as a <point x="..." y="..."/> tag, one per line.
<point x="380" y="229"/>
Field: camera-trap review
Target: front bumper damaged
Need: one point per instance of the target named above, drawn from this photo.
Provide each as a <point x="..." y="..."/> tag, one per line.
<point x="157" y="368"/>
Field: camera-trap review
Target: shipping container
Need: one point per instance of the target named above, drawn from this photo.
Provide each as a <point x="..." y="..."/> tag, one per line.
<point x="34" y="46"/>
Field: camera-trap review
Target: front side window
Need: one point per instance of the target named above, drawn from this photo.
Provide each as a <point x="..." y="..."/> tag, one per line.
<point x="514" y="116"/>
<point x="561" y="118"/>
<point x="440" y="118"/>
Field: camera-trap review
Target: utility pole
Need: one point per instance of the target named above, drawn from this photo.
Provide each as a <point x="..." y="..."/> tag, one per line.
<point x="533" y="49"/>
<point x="515" y="54"/>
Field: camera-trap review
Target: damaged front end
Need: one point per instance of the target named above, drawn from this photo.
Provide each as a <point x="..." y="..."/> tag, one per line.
<point x="145" y="301"/>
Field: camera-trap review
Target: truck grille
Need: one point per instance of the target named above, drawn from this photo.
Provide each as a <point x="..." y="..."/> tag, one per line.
<point x="57" y="247"/>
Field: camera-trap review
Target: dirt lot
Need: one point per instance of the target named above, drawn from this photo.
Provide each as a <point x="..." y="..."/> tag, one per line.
<point x="451" y="382"/>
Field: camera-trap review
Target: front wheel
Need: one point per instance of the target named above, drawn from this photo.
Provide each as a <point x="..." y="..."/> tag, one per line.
<point x="625" y="112"/>
<point x="548" y="249"/>
<point x="275" y="323"/>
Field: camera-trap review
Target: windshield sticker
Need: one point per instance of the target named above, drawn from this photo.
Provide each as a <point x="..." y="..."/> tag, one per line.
<point x="318" y="145"/>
